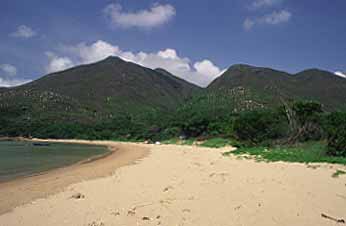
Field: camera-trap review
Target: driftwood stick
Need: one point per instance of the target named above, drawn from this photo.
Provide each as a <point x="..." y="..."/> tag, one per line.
<point x="333" y="218"/>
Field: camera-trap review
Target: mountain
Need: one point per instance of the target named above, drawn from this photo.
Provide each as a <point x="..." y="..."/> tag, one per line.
<point x="271" y="86"/>
<point x="186" y="89"/>
<point x="98" y="90"/>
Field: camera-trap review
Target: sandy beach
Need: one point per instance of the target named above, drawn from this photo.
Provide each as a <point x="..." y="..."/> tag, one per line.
<point x="24" y="190"/>
<point x="176" y="185"/>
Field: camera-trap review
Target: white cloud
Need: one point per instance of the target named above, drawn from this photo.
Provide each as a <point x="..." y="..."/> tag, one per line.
<point x="94" y="52"/>
<point x="248" y="24"/>
<point x="264" y="3"/>
<point x="274" y="18"/>
<point x="57" y="63"/>
<point x="7" y="76"/>
<point x="23" y="31"/>
<point x="200" y="72"/>
<point x="8" y="69"/>
<point x="206" y="68"/>
<point x="277" y="17"/>
<point x="147" y="18"/>
<point x="12" y="82"/>
<point x="341" y="74"/>
<point x="168" y="54"/>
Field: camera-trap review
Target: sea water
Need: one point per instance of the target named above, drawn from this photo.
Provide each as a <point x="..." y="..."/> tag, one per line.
<point x="21" y="158"/>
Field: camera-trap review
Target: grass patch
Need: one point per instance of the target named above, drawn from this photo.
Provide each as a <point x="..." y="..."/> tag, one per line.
<point x="338" y="173"/>
<point x="304" y="153"/>
<point x="189" y="141"/>
<point x="210" y="143"/>
<point x="171" y="141"/>
<point x="216" y="143"/>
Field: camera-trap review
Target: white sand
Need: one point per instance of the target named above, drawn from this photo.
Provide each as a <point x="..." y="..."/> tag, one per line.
<point x="181" y="185"/>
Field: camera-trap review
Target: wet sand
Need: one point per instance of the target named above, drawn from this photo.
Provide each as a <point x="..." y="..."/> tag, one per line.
<point x="185" y="185"/>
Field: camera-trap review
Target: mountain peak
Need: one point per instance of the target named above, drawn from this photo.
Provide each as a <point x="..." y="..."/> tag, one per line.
<point x="111" y="59"/>
<point x="314" y="73"/>
<point x="241" y="67"/>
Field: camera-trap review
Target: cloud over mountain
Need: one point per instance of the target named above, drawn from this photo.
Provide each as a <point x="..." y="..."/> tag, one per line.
<point x="341" y="74"/>
<point x="8" y="69"/>
<point x="57" y="63"/>
<point x="8" y="74"/>
<point x="200" y="72"/>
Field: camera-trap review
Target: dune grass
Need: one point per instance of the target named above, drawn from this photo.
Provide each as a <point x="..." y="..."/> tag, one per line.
<point x="216" y="143"/>
<point x="311" y="152"/>
<point x="338" y="173"/>
<point x="189" y="141"/>
<point x="171" y="141"/>
<point x="210" y="143"/>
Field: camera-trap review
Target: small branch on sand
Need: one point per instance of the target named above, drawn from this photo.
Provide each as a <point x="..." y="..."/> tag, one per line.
<point x="333" y="219"/>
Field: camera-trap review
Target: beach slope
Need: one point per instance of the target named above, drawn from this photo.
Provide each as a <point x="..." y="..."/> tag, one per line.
<point x="185" y="185"/>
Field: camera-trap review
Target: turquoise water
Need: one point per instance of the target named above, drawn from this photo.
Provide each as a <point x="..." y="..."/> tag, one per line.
<point x="18" y="159"/>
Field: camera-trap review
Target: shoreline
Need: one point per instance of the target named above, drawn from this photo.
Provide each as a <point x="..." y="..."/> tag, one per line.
<point x="186" y="185"/>
<point x="41" y="185"/>
<point x="80" y="162"/>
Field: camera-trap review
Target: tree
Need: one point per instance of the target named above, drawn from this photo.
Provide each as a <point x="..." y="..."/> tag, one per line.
<point x="336" y="134"/>
<point x="304" y="119"/>
<point x="255" y="127"/>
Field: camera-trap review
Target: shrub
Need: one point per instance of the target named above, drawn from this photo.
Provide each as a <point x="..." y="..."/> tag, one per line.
<point x="309" y="119"/>
<point x="336" y="134"/>
<point x="255" y="127"/>
<point x="307" y="111"/>
<point x="216" y="143"/>
<point x="204" y="115"/>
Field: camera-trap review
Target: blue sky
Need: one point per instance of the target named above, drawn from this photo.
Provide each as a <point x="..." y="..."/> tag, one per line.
<point x="195" y="39"/>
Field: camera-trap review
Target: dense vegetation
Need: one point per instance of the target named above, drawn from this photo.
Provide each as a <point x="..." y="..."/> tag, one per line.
<point x="310" y="152"/>
<point x="246" y="107"/>
<point x="203" y="117"/>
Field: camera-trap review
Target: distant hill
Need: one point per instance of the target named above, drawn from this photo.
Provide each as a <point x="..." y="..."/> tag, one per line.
<point x="98" y="90"/>
<point x="270" y="86"/>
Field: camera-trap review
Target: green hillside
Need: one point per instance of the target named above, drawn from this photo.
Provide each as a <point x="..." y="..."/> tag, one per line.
<point x="271" y="86"/>
<point x="117" y="99"/>
<point x="98" y="90"/>
<point x="88" y="96"/>
<point x="113" y="84"/>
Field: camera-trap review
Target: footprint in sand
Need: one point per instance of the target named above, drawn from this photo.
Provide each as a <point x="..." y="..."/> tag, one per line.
<point x="94" y="223"/>
<point x="221" y="177"/>
<point x="166" y="189"/>
<point x="197" y="164"/>
<point x="186" y="211"/>
<point x="314" y="166"/>
<point x="115" y="213"/>
<point x="77" y="196"/>
<point x="238" y="207"/>
<point x="131" y="212"/>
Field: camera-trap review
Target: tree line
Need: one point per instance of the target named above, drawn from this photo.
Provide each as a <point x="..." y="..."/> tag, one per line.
<point x="204" y="117"/>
